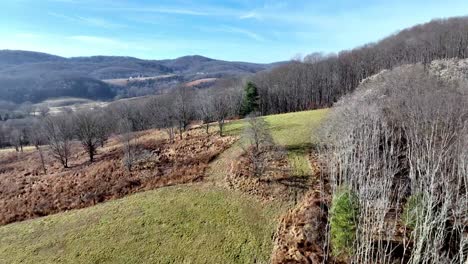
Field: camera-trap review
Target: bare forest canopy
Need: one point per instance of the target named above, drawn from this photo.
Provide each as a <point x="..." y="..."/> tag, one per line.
<point x="396" y="159"/>
<point x="34" y="77"/>
<point x="173" y="111"/>
<point x="319" y="80"/>
<point x="316" y="81"/>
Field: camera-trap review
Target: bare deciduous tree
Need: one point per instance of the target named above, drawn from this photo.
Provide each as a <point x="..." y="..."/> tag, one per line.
<point x="59" y="133"/>
<point x="226" y="101"/>
<point x="203" y="102"/>
<point x="27" y="108"/>
<point x="15" y="139"/>
<point x="106" y="127"/>
<point x="402" y="137"/>
<point x="3" y="135"/>
<point x="182" y="107"/>
<point x="221" y="107"/>
<point x="127" y="139"/>
<point x="167" y="118"/>
<point x="257" y="132"/>
<point x="260" y="142"/>
<point x="42" y="111"/>
<point x="89" y="130"/>
<point x="321" y="80"/>
<point x="38" y="139"/>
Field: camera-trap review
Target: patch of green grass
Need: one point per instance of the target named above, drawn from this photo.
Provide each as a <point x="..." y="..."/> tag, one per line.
<point x="234" y="128"/>
<point x="294" y="131"/>
<point x="413" y="210"/>
<point x="185" y="224"/>
<point x="343" y="222"/>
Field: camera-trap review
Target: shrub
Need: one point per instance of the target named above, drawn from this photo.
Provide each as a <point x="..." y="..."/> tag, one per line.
<point x="413" y="210"/>
<point x="343" y="221"/>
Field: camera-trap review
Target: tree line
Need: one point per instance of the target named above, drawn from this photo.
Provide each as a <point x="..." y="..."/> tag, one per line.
<point x="396" y="158"/>
<point x="171" y="112"/>
<point x="319" y="80"/>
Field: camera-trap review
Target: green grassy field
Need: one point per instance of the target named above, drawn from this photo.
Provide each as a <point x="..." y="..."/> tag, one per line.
<point x="182" y="224"/>
<point x="201" y="223"/>
<point x="293" y="131"/>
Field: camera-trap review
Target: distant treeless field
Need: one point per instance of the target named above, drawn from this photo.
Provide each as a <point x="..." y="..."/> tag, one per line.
<point x="200" y="81"/>
<point x="125" y="81"/>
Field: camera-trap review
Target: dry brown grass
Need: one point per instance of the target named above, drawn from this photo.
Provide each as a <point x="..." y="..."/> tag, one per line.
<point x="301" y="233"/>
<point x="26" y="192"/>
<point x="5" y="150"/>
<point x="125" y="81"/>
<point x="277" y="181"/>
<point x="200" y="81"/>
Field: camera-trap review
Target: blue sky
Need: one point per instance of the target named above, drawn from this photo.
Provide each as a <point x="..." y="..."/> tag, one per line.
<point x="255" y="31"/>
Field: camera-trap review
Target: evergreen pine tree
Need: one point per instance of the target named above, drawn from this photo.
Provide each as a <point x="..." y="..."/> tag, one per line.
<point x="250" y="103"/>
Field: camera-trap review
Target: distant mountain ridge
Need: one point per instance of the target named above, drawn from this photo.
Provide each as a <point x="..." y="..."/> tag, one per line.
<point x="34" y="76"/>
<point x="17" y="57"/>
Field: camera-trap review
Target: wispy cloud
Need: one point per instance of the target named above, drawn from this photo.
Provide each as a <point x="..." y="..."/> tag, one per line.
<point x="242" y="31"/>
<point x="233" y="30"/>
<point x="98" y="22"/>
<point x="248" y="30"/>
<point x="78" y="2"/>
<point x="91" y="21"/>
<point x="250" y="14"/>
<point x="63" y="1"/>
<point x="185" y="10"/>
<point x="167" y="10"/>
<point x="27" y="35"/>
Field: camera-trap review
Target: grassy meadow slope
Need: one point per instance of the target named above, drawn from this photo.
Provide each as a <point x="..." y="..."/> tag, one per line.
<point x="194" y="223"/>
<point x="185" y="224"/>
<point x="294" y="131"/>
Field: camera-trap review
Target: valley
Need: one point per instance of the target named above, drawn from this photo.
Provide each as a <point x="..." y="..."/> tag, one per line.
<point x="356" y="152"/>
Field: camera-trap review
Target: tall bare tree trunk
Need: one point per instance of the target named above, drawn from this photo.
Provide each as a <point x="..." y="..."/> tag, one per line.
<point x="41" y="155"/>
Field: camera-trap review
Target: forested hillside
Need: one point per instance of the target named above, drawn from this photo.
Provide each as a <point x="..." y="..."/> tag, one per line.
<point x="34" y="77"/>
<point x="316" y="81"/>
<point x="396" y="156"/>
<point x="319" y="80"/>
<point x="379" y="174"/>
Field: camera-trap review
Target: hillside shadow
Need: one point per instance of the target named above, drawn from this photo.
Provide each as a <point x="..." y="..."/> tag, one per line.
<point x="282" y="127"/>
<point x="292" y="182"/>
<point x="234" y="131"/>
<point x="300" y="148"/>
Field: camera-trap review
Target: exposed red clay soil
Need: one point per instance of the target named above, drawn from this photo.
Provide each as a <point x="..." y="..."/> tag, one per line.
<point x="26" y="192"/>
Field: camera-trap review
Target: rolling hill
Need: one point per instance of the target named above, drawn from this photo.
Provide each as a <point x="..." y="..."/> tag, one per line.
<point x="33" y="76"/>
<point x="199" y="222"/>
